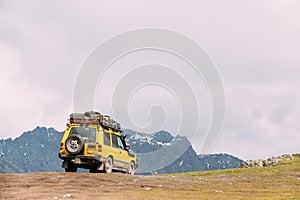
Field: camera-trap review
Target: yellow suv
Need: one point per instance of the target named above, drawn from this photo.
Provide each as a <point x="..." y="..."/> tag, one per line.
<point x="94" y="141"/>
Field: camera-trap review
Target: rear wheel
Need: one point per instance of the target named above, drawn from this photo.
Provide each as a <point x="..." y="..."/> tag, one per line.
<point x="131" y="168"/>
<point x="108" y="166"/>
<point x="71" y="168"/>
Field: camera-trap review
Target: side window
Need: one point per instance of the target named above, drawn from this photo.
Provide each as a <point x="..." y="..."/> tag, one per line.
<point x="106" y="138"/>
<point x="117" y="142"/>
<point x="120" y="143"/>
<point x="114" y="141"/>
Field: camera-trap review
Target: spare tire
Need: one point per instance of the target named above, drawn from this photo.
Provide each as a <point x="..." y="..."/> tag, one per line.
<point x="74" y="144"/>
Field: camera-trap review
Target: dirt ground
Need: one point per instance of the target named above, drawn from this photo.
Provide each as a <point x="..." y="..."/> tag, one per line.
<point x="83" y="186"/>
<point x="281" y="182"/>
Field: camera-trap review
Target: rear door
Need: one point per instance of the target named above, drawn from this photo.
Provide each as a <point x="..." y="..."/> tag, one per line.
<point x="121" y="153"/>
<point x="107" y="148"/>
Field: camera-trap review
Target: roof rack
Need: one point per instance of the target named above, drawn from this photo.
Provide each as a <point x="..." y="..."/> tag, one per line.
<point x="93" y="117"/>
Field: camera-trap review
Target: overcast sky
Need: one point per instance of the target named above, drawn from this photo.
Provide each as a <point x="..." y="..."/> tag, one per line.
<point x="254" y="44"/>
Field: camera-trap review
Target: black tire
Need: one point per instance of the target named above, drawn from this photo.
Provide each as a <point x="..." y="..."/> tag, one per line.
<point x="108" y="166"/>
<point x="74" y="144"/>
<point x="131" y="168"/>
<point x="71" y="168"/>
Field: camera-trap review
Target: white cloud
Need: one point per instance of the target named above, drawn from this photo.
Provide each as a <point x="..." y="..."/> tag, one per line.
<point x="261" y="121"/>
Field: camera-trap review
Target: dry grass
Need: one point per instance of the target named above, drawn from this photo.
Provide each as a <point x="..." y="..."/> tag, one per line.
<point x="274" y="182"/>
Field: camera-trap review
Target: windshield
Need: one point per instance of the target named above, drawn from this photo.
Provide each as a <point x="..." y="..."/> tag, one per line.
<point x="85" y="132"/>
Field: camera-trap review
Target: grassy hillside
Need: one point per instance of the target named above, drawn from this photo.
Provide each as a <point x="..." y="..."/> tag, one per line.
<point x="273" y="182"/>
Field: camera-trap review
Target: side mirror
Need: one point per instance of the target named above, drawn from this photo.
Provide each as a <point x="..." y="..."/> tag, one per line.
<point x="127" y="148"/>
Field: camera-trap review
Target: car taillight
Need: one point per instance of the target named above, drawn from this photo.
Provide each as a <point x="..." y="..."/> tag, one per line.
<point x="61" y="146"/>
<point x="99" y="147"/>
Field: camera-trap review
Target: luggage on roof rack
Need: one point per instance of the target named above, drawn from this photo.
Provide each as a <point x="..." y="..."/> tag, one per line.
<point x="92" y="117"/>
<point x="77" y="116"/>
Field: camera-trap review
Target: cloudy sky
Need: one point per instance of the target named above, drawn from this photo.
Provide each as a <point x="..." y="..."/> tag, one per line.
<point x="255" y="45"/>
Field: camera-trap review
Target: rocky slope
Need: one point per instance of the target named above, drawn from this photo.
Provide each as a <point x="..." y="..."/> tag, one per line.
<point x="273" y="161"/>
<point x="33" y="151"/>
<point x="8" y="167"/>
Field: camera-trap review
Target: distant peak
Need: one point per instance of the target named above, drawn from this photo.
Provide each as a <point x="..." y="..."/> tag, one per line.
<point x="162" y="133"/>
<point x="163" y="136"/>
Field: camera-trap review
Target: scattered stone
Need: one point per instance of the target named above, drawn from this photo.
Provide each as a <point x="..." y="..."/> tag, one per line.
<point x="218" y="191"/>
<point x="55" y="197"/>
<point x="159" y="185"/>
<point x="67" y="195"/>
<point x="148" y="188"/>
<point x="135" y="180"/>
<point x="273" y="161"/>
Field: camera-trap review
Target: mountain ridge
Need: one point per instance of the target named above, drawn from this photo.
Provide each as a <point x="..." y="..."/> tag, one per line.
<point x="36" y="151"/>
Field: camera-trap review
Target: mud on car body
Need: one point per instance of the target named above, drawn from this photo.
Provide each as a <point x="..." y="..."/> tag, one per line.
<point x="95" y="142"/>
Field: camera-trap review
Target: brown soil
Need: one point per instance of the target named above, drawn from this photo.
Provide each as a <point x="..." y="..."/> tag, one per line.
<point x="81" y="186"/>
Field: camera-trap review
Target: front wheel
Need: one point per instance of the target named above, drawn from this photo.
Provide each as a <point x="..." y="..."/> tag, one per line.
<point x="108" y="166"/>
<point x="131" y="168"/>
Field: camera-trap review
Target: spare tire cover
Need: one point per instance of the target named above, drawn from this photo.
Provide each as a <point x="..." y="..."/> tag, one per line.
<point x="74" y="144"/>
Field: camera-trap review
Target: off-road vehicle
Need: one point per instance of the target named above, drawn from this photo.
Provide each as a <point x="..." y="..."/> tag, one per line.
<point x="95" y="141"/>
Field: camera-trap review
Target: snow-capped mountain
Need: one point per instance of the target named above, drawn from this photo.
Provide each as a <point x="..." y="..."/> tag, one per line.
<point x="174" y="154"/>
<point x="36" y="151"/>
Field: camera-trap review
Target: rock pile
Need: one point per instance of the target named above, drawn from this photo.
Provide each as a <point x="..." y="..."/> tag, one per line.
<point x="270" y="161"/>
